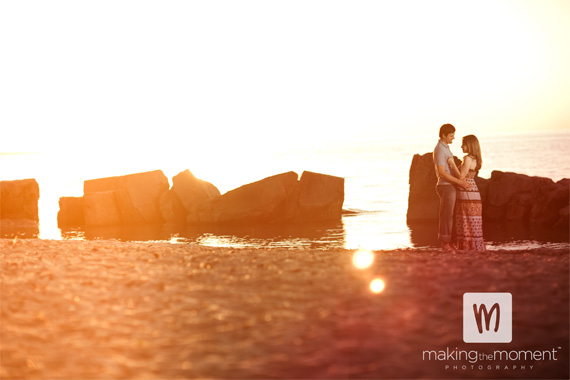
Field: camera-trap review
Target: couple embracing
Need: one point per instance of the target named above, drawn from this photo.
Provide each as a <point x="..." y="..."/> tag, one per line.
<point x="459" y="198"/>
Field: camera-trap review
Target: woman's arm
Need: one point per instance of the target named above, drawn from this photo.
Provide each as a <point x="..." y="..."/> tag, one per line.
<point x="449" y="178"/>
<point x="465" y="165"/>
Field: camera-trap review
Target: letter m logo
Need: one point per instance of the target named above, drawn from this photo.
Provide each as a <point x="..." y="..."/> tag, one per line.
<point x="487" y="317"/>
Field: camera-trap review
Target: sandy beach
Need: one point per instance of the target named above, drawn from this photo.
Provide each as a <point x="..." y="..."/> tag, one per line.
<point x="115" y="310"/>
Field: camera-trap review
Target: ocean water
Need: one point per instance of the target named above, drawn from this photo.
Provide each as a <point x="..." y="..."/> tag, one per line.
<point x="376" y="187"/>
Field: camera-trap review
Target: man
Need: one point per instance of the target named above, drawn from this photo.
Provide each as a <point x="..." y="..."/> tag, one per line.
<point x="445" y="185"/>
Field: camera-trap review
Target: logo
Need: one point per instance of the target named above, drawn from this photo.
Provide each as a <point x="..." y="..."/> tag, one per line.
<point x="487" y="317"/>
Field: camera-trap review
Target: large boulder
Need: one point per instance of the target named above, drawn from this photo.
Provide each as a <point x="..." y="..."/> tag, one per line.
<point x="535" y="200"/>
<point x="171" y="208"/>
<point x="423" y="202"/>
<point x="186" y="192"/>
<point x="262" y="201"/>
<point x="564" y="218"/>
<point x="506" y="196"/>
<point x="550" y="201"/>
<point x="511" y="195"/>
<point x="277" y="199"/>
<point x="19" y="200"/>
<point x="320" y="197"/>
<point x="70" y="212"/>
<point x="191" y="190"/>
<point x="101" y="209"/>
<point x="136" y="199"/>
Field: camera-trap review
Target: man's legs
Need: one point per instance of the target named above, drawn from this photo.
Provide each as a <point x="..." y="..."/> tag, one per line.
<point x="447" y="196"/>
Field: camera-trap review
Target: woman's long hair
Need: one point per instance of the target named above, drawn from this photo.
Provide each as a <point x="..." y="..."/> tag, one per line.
<point x="473" y="149"/>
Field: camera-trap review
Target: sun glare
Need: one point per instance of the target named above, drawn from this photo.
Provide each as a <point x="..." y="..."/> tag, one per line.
<point x="362" y="259"/>
<point x="377" y="286"/>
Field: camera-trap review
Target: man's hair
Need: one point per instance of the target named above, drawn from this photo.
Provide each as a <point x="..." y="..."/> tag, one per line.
<point x="445" y="130"/>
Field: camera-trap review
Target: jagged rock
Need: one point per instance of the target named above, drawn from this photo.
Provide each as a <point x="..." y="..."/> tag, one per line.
<point x="262" y="201"/>
<point x="186" y="192"/>
<point x="423" y="202"/>
<point x="511" y="195"/>
<point x="19" y="199"/>
<point x="550" y="199"/>
<point x="506" y="196"/>
<point x="280" y="198"/>
<point x="101" y="209"/>
<point x="524" y="198"/>
<point x="564" y="218"/>
<point x="171" y="208"/>
<point x="70" y="212"/>
<point x="191" y="190"/>
<point x="320" y="197"/>
<point x="136" y="197"/>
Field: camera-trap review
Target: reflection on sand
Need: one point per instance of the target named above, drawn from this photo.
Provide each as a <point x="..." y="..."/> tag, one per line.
<point x="310" y="235"/>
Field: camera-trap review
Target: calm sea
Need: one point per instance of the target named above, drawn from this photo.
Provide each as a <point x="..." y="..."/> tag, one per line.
<point x="376" y="186"/>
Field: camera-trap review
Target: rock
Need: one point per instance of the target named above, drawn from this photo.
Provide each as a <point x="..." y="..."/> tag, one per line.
<point x="564" y="219"/>
<point x="519" y="197"/>
<point x="21" y="228"/>
<point x="19" y="199"/>
<point x="505" y="196"/>
<point x="550" y="199"/>
<point x="136" y="198"/>
<point x="191" y="190"/>
<point x="70" y="212"/>
<point x="423" y="202"/>
<point x="258" y="202"/>
<point x="563" y="222"/>
<point x="186" y="192"/>
<point x="518" y="207"/>
<point x="320" y="197"/>
<point x="512" y="193"/>
<point x="101" y="209"/>
<point x="171" y="208"/>
<point x="278" y="199"/>
<point x="483" y="186"/>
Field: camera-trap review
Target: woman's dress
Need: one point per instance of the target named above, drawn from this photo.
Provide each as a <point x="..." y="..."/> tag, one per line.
<point x="469" y="216"/>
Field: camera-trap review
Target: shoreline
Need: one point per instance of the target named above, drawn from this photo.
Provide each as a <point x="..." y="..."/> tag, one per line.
<point x="109" y="309"/>
<point x="320" y="236"/>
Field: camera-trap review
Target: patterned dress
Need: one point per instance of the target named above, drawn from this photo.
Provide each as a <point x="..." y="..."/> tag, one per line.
<point x="469" y="216"/>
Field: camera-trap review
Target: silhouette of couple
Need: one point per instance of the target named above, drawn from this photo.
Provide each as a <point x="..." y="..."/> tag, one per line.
<point x="459" y="198"/>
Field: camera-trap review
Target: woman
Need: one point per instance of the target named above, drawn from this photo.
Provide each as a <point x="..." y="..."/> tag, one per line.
<point x="468" y="207"/>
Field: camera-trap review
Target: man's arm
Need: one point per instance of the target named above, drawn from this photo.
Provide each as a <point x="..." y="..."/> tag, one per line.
<point x="449" y="178"/>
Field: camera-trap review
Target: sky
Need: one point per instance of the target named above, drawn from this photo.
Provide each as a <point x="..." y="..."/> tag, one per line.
<point x="234" y="76"/>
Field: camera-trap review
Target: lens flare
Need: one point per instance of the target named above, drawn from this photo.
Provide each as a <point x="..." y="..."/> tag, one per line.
<point x="377" y="286"/>
<point x="362" y="259"/>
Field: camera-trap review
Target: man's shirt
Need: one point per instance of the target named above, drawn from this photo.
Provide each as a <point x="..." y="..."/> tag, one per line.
<point x="440" y="155"/>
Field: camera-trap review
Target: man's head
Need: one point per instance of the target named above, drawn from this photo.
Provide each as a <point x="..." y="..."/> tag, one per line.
<point x="447" y="133"/>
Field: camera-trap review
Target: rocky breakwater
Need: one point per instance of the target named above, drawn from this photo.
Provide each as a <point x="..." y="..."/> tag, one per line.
<point x="123" y="200"/>
<point x="506" y="196"/>
<point x="134" y="199"/>
<point x="145" y="198"/>
<point x="282" y="198"/>
<point x="19" y="207"/>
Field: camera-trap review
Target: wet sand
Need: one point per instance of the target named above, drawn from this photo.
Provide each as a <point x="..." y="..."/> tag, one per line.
<point x="115" y="310"/>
